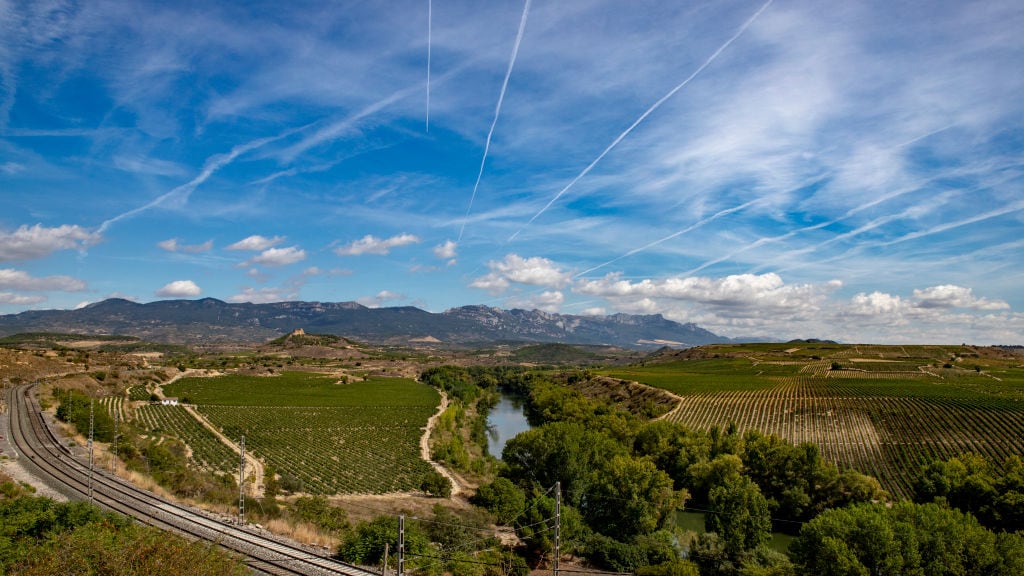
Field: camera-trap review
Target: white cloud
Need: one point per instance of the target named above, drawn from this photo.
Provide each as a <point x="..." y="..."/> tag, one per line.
<point x="950" y="296"/>
<point x="547" y="301"/>
<point x="594" y="311"/>
<point x="256" y="243"/>
<point x="18" y="299"/>
<point x="382" y="297"/>
<point x="38" y="241"/>
<point x="21" y="280"/>
<point x="278" y="257"/>
<point x="447" y="250"/>
<point x="179" y="289"/>
<point x="876" y="304"/>
<point x="265" y="295"/>
<point x="370" y="244"/>
<point x="535" y="271"/>
<point x="733" y="292"/>
<point x="171" y="245"/>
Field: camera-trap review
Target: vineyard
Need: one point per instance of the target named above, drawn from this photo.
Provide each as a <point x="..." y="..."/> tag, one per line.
<point x="361" y="437"/>
<point x="883" y="410"/>
<point x="207" y="450"/>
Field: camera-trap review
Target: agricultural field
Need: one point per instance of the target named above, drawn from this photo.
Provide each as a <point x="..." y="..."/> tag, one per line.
<point x="883" y="410"/>
<point x="207" y="450"/>
<point x="332" y="437"/>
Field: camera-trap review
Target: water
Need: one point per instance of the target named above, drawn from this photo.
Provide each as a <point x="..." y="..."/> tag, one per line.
<point x="504" y="421"/>
<point x="693" y="521"/>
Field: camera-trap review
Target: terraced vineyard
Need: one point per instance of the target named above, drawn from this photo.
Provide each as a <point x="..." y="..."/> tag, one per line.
<point x="207" y="450"/>
<point x="884" y="410"/>
<point x="361" y="437"/>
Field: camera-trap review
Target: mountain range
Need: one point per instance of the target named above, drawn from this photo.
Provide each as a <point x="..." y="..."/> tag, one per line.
<point x="209" y="320"/>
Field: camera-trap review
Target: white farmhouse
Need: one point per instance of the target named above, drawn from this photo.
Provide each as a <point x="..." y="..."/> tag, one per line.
<point x="169" y="401"/>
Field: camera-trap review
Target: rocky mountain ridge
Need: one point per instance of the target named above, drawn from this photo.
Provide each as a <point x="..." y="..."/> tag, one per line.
<point x="209" y="320"/>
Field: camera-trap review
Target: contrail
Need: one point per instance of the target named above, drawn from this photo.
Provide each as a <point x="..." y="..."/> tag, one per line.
<point x="430" y="23"/>
<point x="212" y="165"/>
<point x="497" y="111"/>
<point x="689" y="228"/>
<point x="644" y="116"/>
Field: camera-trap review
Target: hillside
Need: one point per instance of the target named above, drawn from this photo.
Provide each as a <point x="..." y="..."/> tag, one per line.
<point x="209" y="320"/>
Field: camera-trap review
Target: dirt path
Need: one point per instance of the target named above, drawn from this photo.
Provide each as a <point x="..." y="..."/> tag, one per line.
<point x="251" y="462"/>
<point x="458" y="487"/>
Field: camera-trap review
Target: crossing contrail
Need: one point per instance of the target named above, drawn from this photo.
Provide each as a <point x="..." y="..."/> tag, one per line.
<point x="644" y="116"/>
<point x="497" y="111"/>
<point x="689" y="228"/>
<point x="212" y="165"/>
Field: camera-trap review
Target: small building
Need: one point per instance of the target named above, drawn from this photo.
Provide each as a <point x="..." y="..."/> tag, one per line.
<point x="169" y="401"/>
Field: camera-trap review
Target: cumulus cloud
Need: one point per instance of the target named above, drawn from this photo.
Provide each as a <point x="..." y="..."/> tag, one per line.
<point x="172" y="245"/>
<point x="39" y="241"/>
<point x="515" y="269"/>
<point x="950" y="296"/>
<point x="256" y="243"/>
<point x="20" y="280"/>
<point x="876" y="304"/>
<point x="736" y="291"/>
<point x="547" y="301"/>
<point x="180" y="289"/>
<point x="382" y="297"/>
<point x="446" y="251"/>
<point x="370" y="244"/>
<point x="21" y="300"/>
<point x="278" y="257"/>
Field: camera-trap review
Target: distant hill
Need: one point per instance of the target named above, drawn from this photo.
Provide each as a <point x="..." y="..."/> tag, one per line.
<point x="209" y="320"/>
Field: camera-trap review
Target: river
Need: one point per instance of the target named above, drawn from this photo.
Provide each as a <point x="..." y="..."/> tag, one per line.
<point x="504" y="421"/>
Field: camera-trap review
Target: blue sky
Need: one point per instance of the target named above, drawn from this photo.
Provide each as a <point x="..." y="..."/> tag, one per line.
<point x="786" y="169"/>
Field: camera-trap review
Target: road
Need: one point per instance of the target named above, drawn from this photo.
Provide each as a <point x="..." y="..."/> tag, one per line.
<point x="40" y="451"/>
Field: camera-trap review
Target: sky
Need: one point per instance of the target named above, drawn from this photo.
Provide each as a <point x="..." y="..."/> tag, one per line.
<point x="783" y="169"/>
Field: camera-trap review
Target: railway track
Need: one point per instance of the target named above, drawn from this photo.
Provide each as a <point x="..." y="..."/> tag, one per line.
<point x="41" y="451"/>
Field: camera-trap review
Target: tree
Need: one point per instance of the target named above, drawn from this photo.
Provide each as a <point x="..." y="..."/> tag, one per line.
<point x="739" y="515"/>
<point x="436" y="484"/>
<point x="502" y="498"/>
<point x="629" y="497"/>
<point x="908" y="538"/>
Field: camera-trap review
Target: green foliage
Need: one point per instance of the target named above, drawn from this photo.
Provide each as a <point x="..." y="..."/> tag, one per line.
<point x="654" y="549"/>
<point x="972" y="483"/>
<point x="317" y="511"/>
<point x="907" y="538"/>
<point x="628" y="497"/>
<point x="436" y="484"/>
<point x="564" y="452"/>
<point x="502" y="498"/>
<point x="365" y="544"/>
<point x="454" y="380"/>
<point x="42" y="537"/>
<point x="74" y="406"/>
<point x="739" y="515"/>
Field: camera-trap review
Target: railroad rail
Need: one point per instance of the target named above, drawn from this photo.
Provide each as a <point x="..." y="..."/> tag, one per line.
<point x="43" y="453"/>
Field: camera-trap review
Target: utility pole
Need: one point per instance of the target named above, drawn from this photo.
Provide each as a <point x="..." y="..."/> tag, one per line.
<point x="113" y="462"/>
<point x="91" y="428"/>
<point x="401" y="546"/>
<point x="241" y="481"/>
<point x="558" y="527"/>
